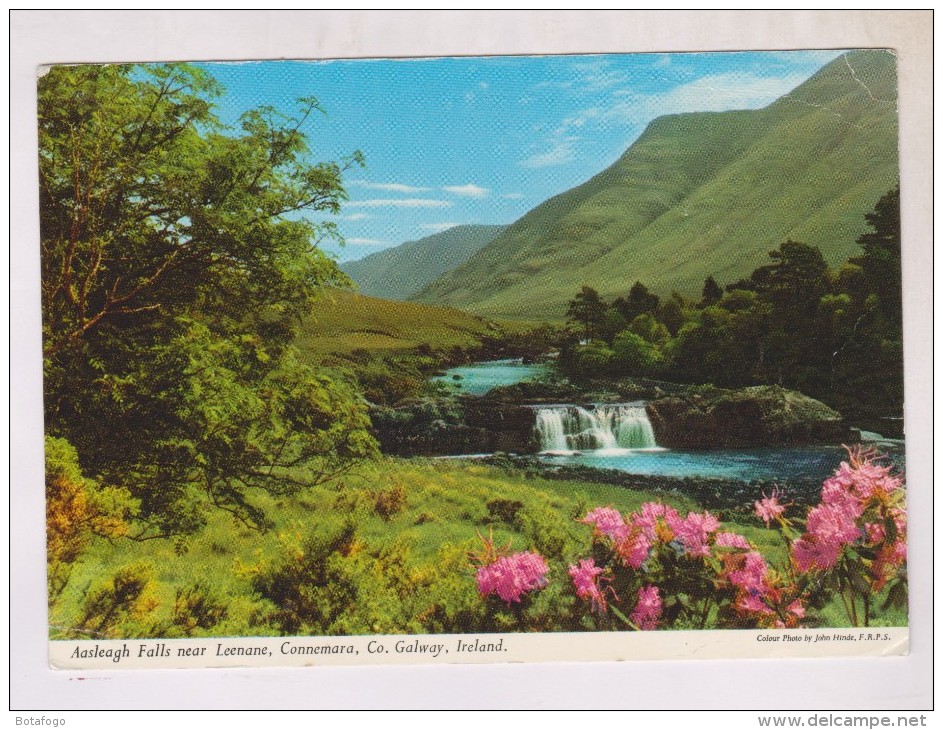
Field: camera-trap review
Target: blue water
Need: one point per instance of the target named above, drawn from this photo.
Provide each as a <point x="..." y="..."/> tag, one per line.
<point x="480" y="377"/>
<point x="815" y="462"/>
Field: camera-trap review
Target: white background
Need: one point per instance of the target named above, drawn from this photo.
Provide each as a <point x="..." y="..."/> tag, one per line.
<point x="43" y="37"/>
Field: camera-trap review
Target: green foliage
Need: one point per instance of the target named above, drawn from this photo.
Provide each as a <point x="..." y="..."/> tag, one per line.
<point x="196" y="611"/>
<point x="635" y="355"/>
<point x="77" y="509"/>
<point x="711" y="293"/>
<point x="311" y="587"/>
<point x="177" y="261"/>
<point x="588" y="310"/>
<point x="118" y="607"/>
<point x="590" y="360"/>
<point x="640" y="301"/>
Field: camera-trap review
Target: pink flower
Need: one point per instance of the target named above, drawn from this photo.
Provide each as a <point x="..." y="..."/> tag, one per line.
<point x="584" y="581"/>
<point x="769" y="508"/>
<point x="606" y="521"/>
<point x="829" y="527"/>
<point x="693" y="531"/>
<point x="656" y="521"/>
<point x="732" y="540"/>
<point x="647" y="609"/>
<point x="860" y="478"/>
<point x="634" y="548"/>
<point x="751" y="574"/>
<point x="512" y="576"/>
<point x="887" y="562"/>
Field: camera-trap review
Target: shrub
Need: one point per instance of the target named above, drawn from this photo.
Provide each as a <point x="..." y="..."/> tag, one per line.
<point x="76" y="510"/>
<point x="658" y="569"/>
<point x="118" y="607"/>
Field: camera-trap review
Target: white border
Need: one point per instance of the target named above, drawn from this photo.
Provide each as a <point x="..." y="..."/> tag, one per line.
<point x="39" y="37"/>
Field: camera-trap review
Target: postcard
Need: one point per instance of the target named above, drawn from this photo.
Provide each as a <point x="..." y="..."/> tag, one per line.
<point x="473" y="359"/>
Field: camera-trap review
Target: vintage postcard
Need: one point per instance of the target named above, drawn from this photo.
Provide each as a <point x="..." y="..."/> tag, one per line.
<point x="477" y="359"/>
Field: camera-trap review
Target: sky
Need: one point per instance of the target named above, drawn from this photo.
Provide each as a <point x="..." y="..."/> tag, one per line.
<point x="449" y="141"/>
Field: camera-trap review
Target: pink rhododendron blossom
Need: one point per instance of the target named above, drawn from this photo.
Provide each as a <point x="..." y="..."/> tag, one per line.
<point x="606" y="521"/>
<point x="860" y="478"/>
<point x="887" y="562"/>
<point x="512" y="576"/>
<point x="647" y="609"/>
<point x="874" y="531"/>
<point x="769" y="509"/>
<point x="634" y="548"/>
<point x="751" y="579"/>
<point x="732" y="540"/>
<point x="693" y="532"/>
<point x="796" y="609"/>
<point x="584" y="576"/>
<point x="656" y="521"/>
<point x="829" y="527"/>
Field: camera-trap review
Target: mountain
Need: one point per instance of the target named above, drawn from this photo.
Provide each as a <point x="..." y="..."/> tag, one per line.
<point x="396" y="273"/>
<point x="702" y="194"/>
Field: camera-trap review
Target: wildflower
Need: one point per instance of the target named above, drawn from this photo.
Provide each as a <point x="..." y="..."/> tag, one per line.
<point x="606" y="521"/>
<point x="887" y="562"/>
<point x="861" y="479"/>
<point x="731" y="540"/>
<point x="584" y="576"/>
<point x="769" y="508"/>
<point x="656" y="521"/>
<point x="829" y="528"/>
<point x="512" y="576"/>
<point x="693" y="532"/>
<point x="647" y="609"/>
<point x="634" y="548"/>
<point x="751" y="579"/>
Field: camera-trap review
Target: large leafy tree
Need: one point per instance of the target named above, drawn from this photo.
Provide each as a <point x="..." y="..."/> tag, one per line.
<point x="178" y="257"/>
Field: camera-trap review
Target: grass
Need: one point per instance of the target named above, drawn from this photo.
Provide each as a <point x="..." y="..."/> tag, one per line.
<point x="407" y="563"/>
<point x="344" y="321"/>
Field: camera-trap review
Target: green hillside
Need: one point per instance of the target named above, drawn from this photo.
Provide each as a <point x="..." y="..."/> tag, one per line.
<point x="701" y="194"/>
<point x="344" y="321"/>
<point x="396" y="273"/>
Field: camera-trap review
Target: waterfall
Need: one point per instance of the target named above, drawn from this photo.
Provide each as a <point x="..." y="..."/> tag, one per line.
<point x="574" y="428"/>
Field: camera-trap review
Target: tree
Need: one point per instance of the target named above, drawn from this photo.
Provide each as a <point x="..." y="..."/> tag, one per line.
<point x="588" y="309"/>
<point x="639" y="301"/>
<point x="178" y="258"/>
<point x="711" y="293"/>
<point x="880" y="261"/>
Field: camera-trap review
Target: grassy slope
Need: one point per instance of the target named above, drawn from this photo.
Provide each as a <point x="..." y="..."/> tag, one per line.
<point x="701" y="194"/>
<point x="344" y="321"/>
<point x="444" y="510"/>
<point x="396" y="273"/>
<point x="404" y="564"/>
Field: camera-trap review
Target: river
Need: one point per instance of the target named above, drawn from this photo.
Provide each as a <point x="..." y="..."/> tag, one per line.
<point x="619" y="436"/>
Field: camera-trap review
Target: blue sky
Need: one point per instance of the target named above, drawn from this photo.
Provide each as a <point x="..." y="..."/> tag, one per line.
<point x="483" y="140"/>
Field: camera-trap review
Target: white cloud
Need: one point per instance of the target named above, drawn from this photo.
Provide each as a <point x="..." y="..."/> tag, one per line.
<point x="562" y="150"/>
<point x="470" y="190"/>
<point x="365" y="241"/>
<point x="389" y="187"/>
<point x="729" y="91"/>
<point x="355" y="217"/>
<point x="400" y="203"/>
<point x="437" y="226"/>
<point x="513" y="196"/>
